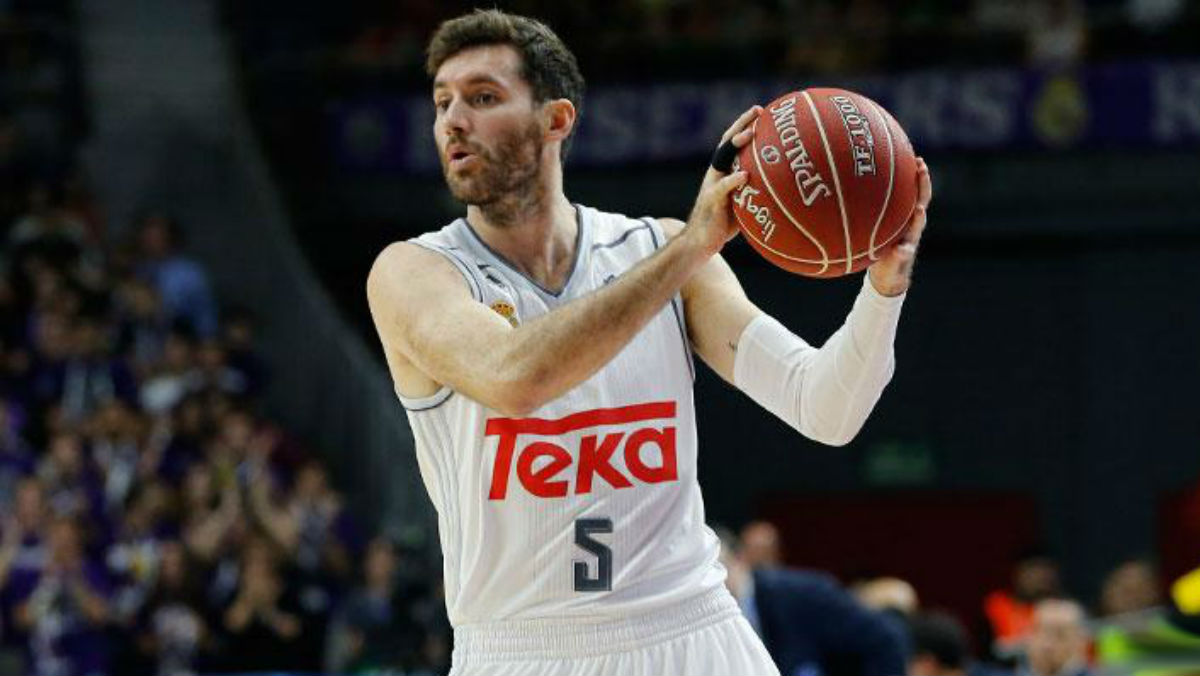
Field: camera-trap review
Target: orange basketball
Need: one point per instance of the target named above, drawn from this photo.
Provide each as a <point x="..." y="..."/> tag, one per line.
<point x="833" y="180"/>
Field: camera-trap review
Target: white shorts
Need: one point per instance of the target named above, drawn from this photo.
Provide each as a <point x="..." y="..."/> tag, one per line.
<point x="705" y="636"/>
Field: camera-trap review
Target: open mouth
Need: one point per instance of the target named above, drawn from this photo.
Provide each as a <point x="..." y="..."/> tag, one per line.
<point x="460" y="157"/>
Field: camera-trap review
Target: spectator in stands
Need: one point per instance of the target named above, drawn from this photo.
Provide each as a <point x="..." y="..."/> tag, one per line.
<point x="27" y="524"/>
<point x="888" y="594"/>
<point x="172" y="633"/>
<point x="1056" y="33"/>
<point x="91" y="375"/>
<point x="135" y="554"/>
<point x="939" y="645"/>
<point x="1010" y="612"/>
<point x="177" y="441"/>
<point x="760" y="545"/>
<point x="429" y="610"/>
<point x="212" y="518"/>
<point x="1058" y="641"/>
<point x="808" y="623"/>
<point x="72" y="486"/>
<point x="325" y="532"/>
<point x="213" y="371"/>
<point x="181" y="282"/>
<point x="16" y="457"/>
<point x="262" y="625"/>
<point x="374" y="629"/>
<point x="1133" y="586"/>
<point x="22" y="557"/>
<point x="142" y="325"/>
<point x="51" y="348"/>
<point x="168" y="382"/>
<point x="47" y="232"/>
<point x="64" y="609"/>
<point x="240" y="352"/>
<point x="115" y="436"/>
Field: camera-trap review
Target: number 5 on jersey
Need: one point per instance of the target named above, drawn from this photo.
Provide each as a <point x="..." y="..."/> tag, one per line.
<point x="584" y="528"/>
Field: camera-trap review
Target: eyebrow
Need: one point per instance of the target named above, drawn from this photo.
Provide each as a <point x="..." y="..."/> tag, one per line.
<point x="474" y="79"/>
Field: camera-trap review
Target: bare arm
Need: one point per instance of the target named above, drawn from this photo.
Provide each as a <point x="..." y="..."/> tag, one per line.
<point x="423" y="311"/>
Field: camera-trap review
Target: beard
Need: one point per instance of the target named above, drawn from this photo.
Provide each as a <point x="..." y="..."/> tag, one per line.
<point x="506" y="177"/>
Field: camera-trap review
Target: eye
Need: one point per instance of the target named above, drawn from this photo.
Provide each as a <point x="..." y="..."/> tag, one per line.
<point x="484" y="99"/>
<point x="441" y="105"/>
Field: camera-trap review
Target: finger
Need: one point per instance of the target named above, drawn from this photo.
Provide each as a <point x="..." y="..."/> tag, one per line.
<point x="924" y="183"/>
<point x="741" y="122"/>
<point x="714" y="174"/>
<point x="915" y="227"/>
<point x="743" y="137"/>
<point x="729" y="183"/>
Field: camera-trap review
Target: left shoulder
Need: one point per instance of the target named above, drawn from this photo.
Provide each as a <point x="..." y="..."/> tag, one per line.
<point x="610" y="230"/>
<point x="671" y="226"/>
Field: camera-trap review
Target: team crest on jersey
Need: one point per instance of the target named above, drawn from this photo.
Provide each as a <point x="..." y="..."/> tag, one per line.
<point x="506" y="310"/>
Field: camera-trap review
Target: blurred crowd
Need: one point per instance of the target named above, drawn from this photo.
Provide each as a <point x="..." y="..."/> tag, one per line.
<point x="152" y="519"/>
<point x="813" y="625"/>
<point x="730" y="38"/>
<point x="156" y="521"/>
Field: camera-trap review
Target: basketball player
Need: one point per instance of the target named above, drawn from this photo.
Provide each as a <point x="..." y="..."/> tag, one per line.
<point x="543" y="352"/>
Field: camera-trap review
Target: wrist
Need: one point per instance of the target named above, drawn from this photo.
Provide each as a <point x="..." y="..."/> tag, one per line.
<point x="697" y="249"/>
<point x="888" y="286"/>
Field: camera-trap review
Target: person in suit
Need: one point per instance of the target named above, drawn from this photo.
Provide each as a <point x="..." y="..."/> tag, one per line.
<point x="810" y="625"/>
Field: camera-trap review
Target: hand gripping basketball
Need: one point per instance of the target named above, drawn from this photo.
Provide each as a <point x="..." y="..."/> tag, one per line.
<point x="892" y="273"/>
<point x="722" y="159"/>
<point x="712" y="216"/>
<point x="732" y="141"/>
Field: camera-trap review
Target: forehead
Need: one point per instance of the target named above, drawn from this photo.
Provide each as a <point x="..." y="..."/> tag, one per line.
<point x="500" y="64"/>
<point x="1057" y="616"/>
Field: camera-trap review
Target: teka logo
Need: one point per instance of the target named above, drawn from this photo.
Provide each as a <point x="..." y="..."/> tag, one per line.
<point x="552" y="479"/>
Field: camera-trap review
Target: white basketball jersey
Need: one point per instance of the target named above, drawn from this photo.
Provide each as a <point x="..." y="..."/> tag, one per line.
<point x="588" y="508"/>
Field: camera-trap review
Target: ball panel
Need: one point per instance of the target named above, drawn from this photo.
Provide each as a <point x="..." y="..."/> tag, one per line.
<point x="825" y="137"/>
<point x="793" y="162"/>
<point x="764" y="221"/>
<point x="904" y="190"/>
<point x="860" y="142"/>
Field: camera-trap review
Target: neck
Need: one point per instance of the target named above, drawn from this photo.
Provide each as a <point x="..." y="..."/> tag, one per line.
<point x="535" y="230"/>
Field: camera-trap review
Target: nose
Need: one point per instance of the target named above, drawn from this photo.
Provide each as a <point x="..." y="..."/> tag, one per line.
<point x="455" y="120"/>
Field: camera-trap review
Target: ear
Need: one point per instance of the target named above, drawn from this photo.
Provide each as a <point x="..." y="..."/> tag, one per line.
<point x="560" y="119"/>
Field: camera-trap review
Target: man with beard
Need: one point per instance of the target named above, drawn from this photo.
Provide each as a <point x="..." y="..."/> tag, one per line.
<point x="542" y="350"/>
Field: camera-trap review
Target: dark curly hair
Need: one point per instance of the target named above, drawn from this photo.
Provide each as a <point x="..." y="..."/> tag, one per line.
<point x="546" y="63"/>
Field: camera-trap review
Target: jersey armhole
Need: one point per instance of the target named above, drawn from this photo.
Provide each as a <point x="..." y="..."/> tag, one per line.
<point x="418" y="404"/>
<point x="660" y="237"/>
<point x="461" y="265"/>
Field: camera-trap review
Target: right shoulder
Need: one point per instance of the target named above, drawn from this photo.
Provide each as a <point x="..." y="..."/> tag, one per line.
<point x="406" y="270"/>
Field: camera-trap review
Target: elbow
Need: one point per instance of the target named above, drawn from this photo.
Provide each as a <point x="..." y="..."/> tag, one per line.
<point x="520" y="394"/>
<point x="515" y="406"/>
<point x="835" y="440"/>
<point x="830" y="434"/>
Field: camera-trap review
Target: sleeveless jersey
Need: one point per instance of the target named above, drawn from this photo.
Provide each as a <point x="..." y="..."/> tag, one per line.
<point x="589" y="508"/>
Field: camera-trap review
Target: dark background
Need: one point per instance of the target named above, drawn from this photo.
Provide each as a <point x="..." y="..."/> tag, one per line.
<point x="1048" y="353"/>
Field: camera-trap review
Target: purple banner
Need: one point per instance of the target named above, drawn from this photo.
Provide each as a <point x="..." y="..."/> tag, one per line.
<point x="1138" y="105"/>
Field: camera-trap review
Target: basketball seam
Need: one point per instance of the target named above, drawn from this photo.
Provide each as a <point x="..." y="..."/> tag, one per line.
<point x="767" y="182"/>
<point x="833" y="168"/>
<point x="806" y="261"/>
<point x="887" y="198"/>
<point x="825" y="263"/>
